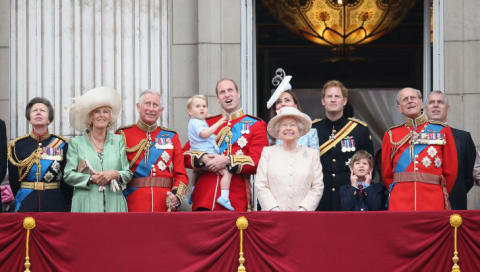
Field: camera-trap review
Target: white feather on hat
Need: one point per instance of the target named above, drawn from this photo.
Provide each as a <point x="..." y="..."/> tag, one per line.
<point x="98" y="97"/>
<point x="283" y="86"/>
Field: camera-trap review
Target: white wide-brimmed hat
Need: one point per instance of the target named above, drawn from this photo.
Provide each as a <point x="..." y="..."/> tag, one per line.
<point x="92" y="99"/>
<point x="283" y="86"/>
<point x="293" y="113"/>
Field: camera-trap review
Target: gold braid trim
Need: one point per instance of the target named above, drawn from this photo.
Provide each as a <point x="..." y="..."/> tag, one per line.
<point x="138" y="148"/>
<point x="397" y="145"/>
<point x="225" y="134"/>
<point x="25" y="165"/>
<point x="181" y="190"/>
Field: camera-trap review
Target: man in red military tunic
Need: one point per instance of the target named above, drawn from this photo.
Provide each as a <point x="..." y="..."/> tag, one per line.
<point x="419" y="163"/>
<point x="240" y="141"/>
<point x="156" y="159"/>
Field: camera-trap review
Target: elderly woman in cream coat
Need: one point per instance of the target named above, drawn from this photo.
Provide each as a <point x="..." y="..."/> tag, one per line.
<point x="289" y="176"/>
<point x="97" y="165"/>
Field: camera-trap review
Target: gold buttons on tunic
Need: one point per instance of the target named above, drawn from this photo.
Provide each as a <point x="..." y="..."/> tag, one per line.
<point x="333" y="175"/>
<point x="334" y="160"/>
<point x="333" y="189"/>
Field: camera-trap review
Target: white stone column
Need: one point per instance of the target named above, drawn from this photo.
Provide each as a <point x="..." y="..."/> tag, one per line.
<point x="60" y="49"/>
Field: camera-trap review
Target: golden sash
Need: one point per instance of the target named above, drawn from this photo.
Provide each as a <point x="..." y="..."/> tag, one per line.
<point x="342" y="133"/>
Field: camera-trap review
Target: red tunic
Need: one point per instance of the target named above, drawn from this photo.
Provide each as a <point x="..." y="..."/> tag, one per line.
<point x="244" y="156"/>
<point x="429" y="152"/>
<point x="150" y="199"/>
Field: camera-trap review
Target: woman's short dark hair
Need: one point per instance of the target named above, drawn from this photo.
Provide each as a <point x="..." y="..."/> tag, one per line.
<point x="44" y="101"/>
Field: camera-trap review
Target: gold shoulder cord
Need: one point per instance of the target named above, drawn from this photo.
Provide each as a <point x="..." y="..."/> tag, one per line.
<point x="225" y="134"/>
<point x="138" y="148"/>
<point x="397" y="145"/>
<point x="25" y="165"/>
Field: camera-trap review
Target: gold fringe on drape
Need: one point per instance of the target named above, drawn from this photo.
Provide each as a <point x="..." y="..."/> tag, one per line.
<point x="28" y="224"/>
<point x="242" y="224"/>
<point x="455" y="221"/>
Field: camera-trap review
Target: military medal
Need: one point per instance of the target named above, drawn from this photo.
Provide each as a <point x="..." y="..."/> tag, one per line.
<point x="242" y="142"/>
<point x="353" y="145"/>
<point x="161" y="165"/>
<point x="165" y="156"/>
<point x="344" y="146"/>
<point x="48" y="176"/>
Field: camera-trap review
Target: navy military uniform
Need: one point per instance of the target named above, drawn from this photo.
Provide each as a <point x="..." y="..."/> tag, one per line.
<point x="35" y="167"/>
<point x="339" y="140"/>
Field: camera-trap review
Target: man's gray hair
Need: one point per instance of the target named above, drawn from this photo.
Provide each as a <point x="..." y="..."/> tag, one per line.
<point x="149" y="91"/>
<point x="419" y="93"/>
<point x="439" y="92"/>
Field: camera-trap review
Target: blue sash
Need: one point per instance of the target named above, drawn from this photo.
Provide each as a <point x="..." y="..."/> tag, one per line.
<point x="21" y="195"/>
<point x="144" y="170"/>
<point x="237" y="131"/>
<point x="404" y="160"/>
<point x="32" y="177"/>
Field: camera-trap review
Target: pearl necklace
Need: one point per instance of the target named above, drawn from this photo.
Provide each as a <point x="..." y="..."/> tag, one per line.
<point x="92" y="140"/>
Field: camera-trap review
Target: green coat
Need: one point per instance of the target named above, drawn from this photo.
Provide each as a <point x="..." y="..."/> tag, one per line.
<point x="86" y="197"/>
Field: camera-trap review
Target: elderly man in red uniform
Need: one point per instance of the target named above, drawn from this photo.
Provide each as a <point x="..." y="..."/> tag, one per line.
<point x="240" y="141"/>
<point x="419" y="158"/>
<point x="156" y="159"/>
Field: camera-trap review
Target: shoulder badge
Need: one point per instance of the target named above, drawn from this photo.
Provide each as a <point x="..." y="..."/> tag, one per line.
<point x="316" y="120"/>
<point x="358" y="121"/>
<point x="61" y="137"/>
<point x="255" y="117"/>
<point x="400" y="125"/>
<point x="125" y="127"/>
<point x="166" y="129"/>
<point x="213" y="116"/>
<point x="437" y="123"/>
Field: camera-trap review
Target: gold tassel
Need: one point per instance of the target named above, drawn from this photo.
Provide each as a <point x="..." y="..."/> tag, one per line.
<point x="242" y="224"/>
<point x="455" y="221"/>
<point x="28" y="224"/>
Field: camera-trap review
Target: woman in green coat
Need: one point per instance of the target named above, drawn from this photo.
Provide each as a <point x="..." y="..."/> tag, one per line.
<point x="97" y="165"/>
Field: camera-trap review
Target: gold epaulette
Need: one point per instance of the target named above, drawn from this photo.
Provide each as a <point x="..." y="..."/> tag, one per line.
<point x="167" y="129"/>
<point x="395" y="126"/>
<point x="358" y="121"/>
<point x="125" y="127"/>
<point x="437" y="123"/>
<point x="60" y="137"/>
<point x="254" y="117"/>
<point x="11" y="148"/>
<point x="316" y="120"/>
<point x="213" y="116"/>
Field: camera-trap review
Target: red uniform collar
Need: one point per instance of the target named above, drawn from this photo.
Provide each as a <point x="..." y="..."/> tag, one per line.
<point x="420" y="120"/>
<point x="234" y="115"/>
<point x="141" y="125"/>
<point x="39" y="137"/>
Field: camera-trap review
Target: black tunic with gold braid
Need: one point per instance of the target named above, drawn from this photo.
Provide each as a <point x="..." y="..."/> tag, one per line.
<point x="339" y="140"/>
<point x="35" y="167"/>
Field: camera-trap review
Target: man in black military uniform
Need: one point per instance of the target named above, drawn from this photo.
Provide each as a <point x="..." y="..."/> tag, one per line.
<point x="339" y="138"/>
<point x="437" y="109"/>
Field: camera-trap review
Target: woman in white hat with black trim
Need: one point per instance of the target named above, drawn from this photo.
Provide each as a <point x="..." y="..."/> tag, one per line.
<point x="284" y="97"/>
<point x="97" y="166"/>
<point x="289" y="176"/>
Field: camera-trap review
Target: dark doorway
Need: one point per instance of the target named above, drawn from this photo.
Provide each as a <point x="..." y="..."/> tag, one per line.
<point x="391" y="62"/>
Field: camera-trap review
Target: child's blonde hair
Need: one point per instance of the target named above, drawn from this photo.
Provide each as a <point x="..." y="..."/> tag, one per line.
<point x="199" y="96"/>
<point x="362" y="154"/>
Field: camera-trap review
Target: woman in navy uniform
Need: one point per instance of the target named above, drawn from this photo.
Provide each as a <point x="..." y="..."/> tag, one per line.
<point x="36" y="162"/>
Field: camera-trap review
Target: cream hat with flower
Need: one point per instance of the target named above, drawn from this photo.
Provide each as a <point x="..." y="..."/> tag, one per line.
<point x="98" y="97"/>
<point x="293" y="113"/>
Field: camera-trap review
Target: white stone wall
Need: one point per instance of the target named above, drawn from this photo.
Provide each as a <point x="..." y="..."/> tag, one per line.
<point x="205" y="47"/>
<point x="60" y="49"/>
<point x="5" y="63"/>
<point x="462" y="64"/>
